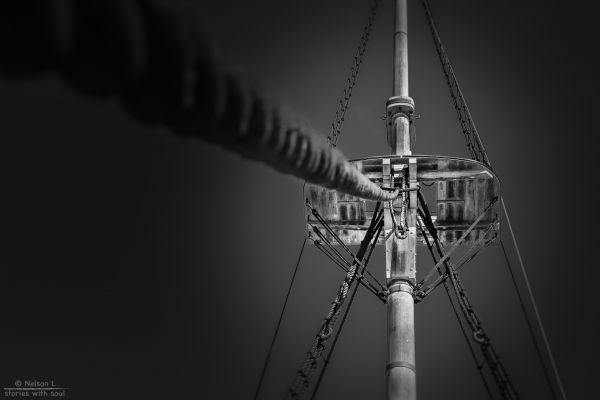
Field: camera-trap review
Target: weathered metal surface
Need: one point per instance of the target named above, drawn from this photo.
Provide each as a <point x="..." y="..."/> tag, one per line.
<point x="464" y="189"/>
<point x="400" y="369"/>
<point x="400" y="246"/>
<point x="400" y="250"/>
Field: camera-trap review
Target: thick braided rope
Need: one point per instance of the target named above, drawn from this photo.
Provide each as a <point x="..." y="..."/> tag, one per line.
<point x="304" y="374"/>
<point x="153" y="57"/>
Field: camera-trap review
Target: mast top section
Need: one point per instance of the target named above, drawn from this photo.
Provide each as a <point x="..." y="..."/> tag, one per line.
<point x="464" y="189"/>
<point x="401" y="50"/>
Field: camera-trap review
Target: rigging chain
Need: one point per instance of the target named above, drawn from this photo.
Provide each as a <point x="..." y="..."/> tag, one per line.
<point x="304" y="374"/>
<point x="460" y="105"/>
<point x="478" y="152"/>
<point x="344" y="101"/>
<point x="423" y="290"/>
<point x="479" y="335"/>
<point x="499" y="373"/>
<point x="346" y="312"/>
<point x="419" y="298"/>
<point x="400" y="229"/>
<point x="341" y="258"/>
<point x="345" y="266"/>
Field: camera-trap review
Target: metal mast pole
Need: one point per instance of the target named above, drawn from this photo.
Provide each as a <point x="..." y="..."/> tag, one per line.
<point x="400" y="250"/>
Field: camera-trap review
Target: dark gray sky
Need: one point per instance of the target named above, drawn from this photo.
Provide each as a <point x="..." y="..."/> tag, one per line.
<point x="137" y="264"/>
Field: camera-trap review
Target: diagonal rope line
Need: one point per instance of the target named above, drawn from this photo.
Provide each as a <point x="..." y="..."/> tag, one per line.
<point x="478" y="152"/>
<point x="330" y="251"/>
<point x="304" y="375"/>
<point x="490" y="356"/>
<point x="322" y="249"/>
<point x="478" y="365"/>
<point x="324" y="239"/>
<point x="465" y="259"/>
<point x="529" y="327"/>
<point x="278" y="326"/>
<point x="329" y="229"/>
<point x="345" y="316"/>
<point x="534" y="306"/>
<point x="367" y="284"/>
<point x="457" y="243"/>
<point x="377" y="281"/>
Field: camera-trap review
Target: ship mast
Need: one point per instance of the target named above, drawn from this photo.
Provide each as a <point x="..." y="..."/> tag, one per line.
<point x="401" y="250"/>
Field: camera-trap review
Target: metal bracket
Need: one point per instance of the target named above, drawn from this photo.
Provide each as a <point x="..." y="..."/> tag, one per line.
<point x="397" y="106"/>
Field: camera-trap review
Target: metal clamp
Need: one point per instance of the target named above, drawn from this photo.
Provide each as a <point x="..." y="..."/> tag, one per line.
<point x="397" y="106"/>
<point x="401" y="364"/>
<point x="400" y="286"/>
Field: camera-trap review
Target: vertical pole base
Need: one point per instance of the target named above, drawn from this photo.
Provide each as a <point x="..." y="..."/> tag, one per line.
<point x="400" y="370"/>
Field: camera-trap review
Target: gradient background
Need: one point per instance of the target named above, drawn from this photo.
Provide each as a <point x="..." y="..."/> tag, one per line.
<point x="135" y="264"/>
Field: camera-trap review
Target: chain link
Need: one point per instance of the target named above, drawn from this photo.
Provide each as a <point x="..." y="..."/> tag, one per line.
<point x="478" y="334"/>
<point x="344" y="101"/>
<point x="467" y="124"/>
<point x="499" y="373"/>
<point x="304" y="374"/>
<point x="302" y="380"/>
<point x="400" y="229"/>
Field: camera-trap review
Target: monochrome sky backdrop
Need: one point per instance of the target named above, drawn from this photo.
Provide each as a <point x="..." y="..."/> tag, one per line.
<point x="138" y="264"/>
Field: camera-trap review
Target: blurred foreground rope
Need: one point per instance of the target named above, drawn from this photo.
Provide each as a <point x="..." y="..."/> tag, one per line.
<point x="153" y="57"/>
